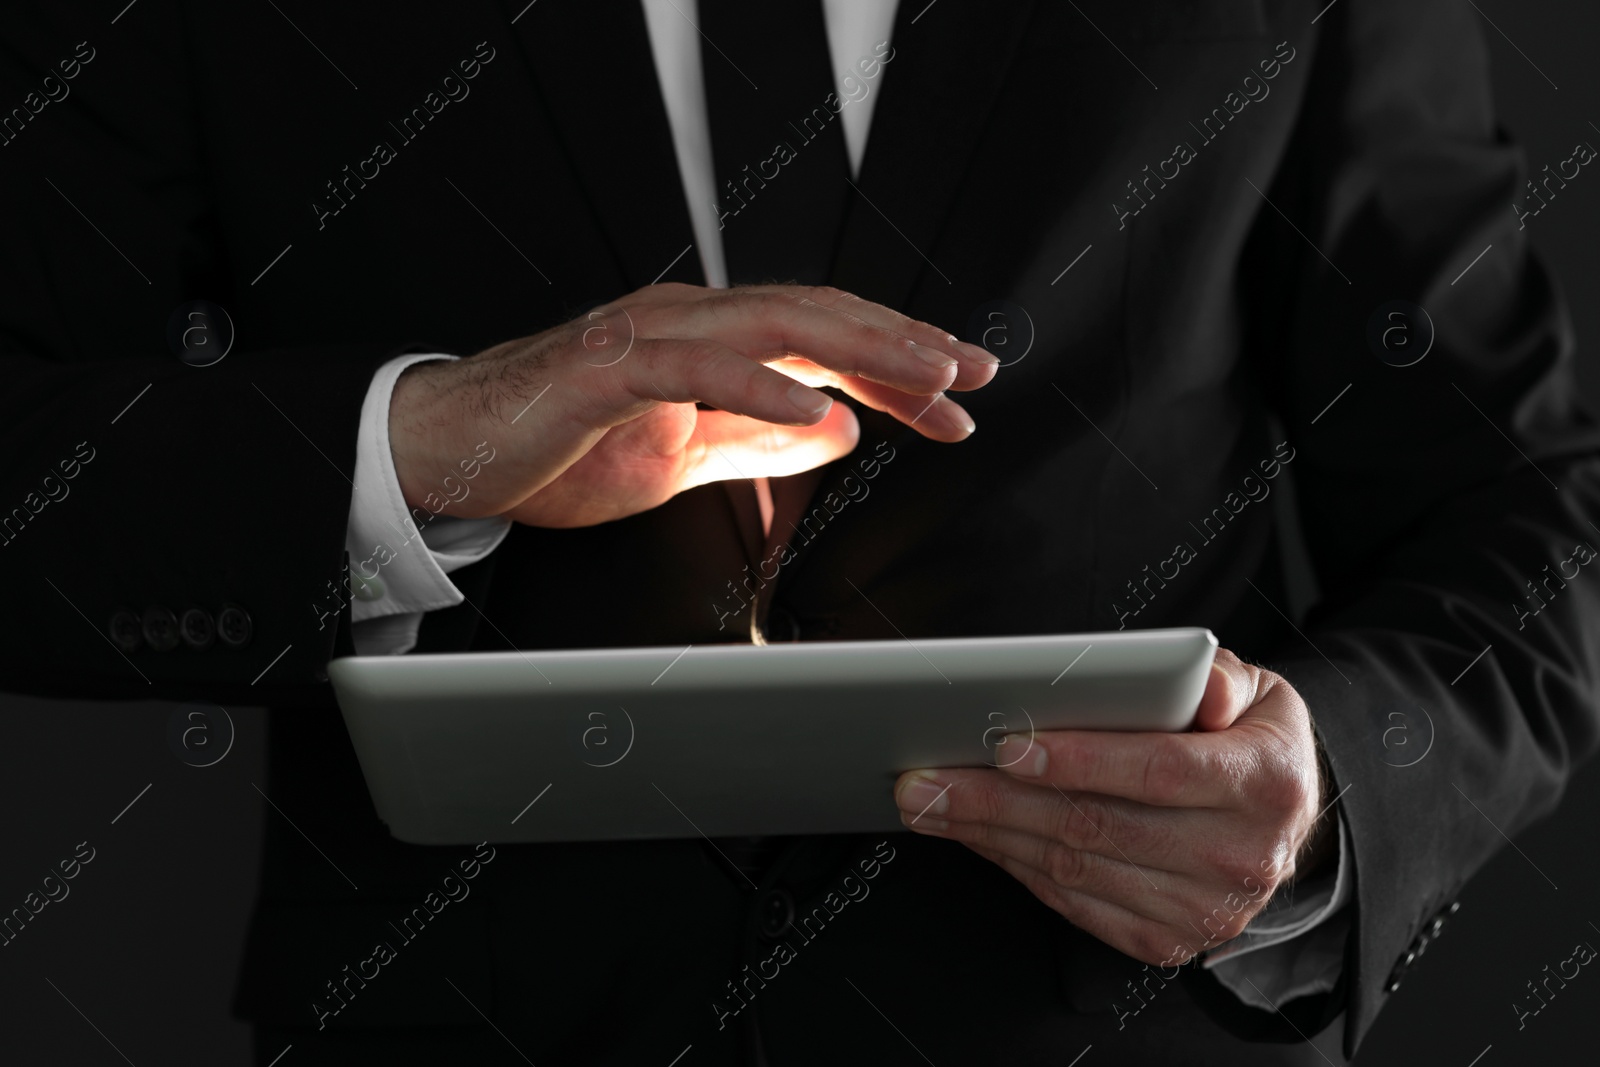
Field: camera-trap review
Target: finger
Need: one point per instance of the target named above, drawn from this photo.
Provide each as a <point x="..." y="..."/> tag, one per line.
<point x="938" y="417"/>
<point x="1189" y="770"/>
<point x="729" y="446"/>
<point x="1144" y="890"/>
<point x="766" y="326"/>
<point x="675" y="371"/>
<point x="1117" y="829"/>
<point x="977" y="365"/>
<point x="1231" y="688"/>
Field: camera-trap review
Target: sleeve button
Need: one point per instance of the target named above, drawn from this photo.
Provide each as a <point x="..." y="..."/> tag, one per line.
<point x="160" y="627"/>
<point x="197" y="629"/>
<point x="125" y="631"/>
<point x="234" y="628"/>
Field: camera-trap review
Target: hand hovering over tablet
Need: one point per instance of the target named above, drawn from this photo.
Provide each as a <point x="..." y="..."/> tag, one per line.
<point x="1147" y="839"/>
<point x="596" y="420"/>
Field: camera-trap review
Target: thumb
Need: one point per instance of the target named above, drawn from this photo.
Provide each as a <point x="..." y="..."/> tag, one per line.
<point x="1230" y="690"/>
<point x="737" y="446"/>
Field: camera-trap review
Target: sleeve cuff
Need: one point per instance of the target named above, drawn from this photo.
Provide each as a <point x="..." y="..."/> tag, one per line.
<point x="400" y="558"/>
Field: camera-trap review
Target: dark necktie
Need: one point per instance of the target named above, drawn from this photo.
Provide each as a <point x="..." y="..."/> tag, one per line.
<point x="782" y="176"/>
<point x="782" y="170"/>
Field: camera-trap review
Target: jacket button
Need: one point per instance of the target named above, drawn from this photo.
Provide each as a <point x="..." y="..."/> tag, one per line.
<point x="233" y="626"/>
<point x="160" y="628"/>
<point x="777" y="914"/>
<point x="125" y="631"/>
<point x="197" y="629"/>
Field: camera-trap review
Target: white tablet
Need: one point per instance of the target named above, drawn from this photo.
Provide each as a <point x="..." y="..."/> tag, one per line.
<point x="723" y="740"/>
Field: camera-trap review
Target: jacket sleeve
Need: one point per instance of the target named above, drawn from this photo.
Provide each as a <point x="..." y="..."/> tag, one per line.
<point x="165" y="529"/>
<point x="1447" y="477"/>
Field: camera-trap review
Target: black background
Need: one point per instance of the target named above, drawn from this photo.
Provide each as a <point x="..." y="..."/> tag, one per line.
<point x="141" y="954"/>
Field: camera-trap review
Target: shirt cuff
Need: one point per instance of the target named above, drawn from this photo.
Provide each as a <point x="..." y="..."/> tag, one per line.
<point x="1295" y="947"/>
<point x="400" y="558"/>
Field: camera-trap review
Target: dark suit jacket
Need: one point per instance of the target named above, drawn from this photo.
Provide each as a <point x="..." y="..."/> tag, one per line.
<point x="1217" y="325"/>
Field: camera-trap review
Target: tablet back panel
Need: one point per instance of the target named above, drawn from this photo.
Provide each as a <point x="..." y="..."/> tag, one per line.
<point x="730" y="739"/>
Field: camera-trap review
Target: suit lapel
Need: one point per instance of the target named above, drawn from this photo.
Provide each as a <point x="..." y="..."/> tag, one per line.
<point x="948" y="65"/>
<point x="592" y="62"/>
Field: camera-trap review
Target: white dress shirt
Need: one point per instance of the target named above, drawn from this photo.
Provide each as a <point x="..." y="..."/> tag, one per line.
<point x="1305" y="932"/>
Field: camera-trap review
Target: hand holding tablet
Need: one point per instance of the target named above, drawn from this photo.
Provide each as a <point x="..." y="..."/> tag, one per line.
<point x="1161" y="845"/>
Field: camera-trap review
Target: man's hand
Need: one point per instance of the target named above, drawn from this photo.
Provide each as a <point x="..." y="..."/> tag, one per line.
<point x="596" y="420"/>
<point x="1160" y="845"/>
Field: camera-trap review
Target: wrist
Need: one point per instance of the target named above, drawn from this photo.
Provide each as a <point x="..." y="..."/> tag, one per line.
<point x="414" y="427"/>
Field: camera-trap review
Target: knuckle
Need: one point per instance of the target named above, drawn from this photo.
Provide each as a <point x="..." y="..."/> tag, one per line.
<point x="710" y="372"/>
<point x="700" y="352"/>
<point x="873" y="334"/>
<point x="1065" y="866"/>
<point x="671" y="290"/>
<point x="738" y="302"/>
<point x="1078" y="823"/>
<point x="982" y="803"/>
<point x="1278" y="867"/>
<point x="1219" y="924"/>
<point x="654" y="354"/>
<point x="1151" y="944"/>
<point x="1270" y="874"/>
<point x="1179" y="954"/>
<point x="1230" y="925"/>
<point x="1168" y="772"/>
<point x="1258" y="884"/>
<point x="790" y="298"/>
<point x="1231" y="659"/>
<point x="1236" y="870"/>
<point x="1284" y="784"/>
<point x="783" y="313"/>
<point x="1298" y="794"/>
<point x="1040" y="884"/>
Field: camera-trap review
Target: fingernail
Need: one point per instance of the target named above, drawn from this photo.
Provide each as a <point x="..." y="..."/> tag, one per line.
<point x="1031" y="763"/>
<point x="923" y="795"/>
<point x="933" y="357"/>
<point x="959" y="414"/>
<point x="976" y="353"/>
<point x="808" y="401"/>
